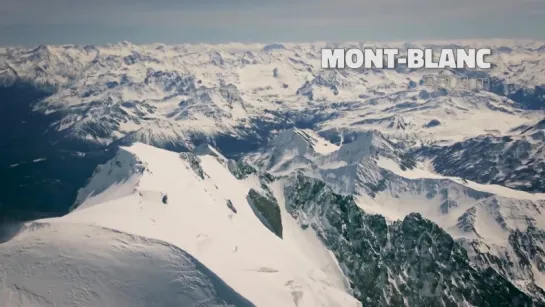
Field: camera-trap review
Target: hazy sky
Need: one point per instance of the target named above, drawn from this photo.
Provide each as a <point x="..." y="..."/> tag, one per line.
<point x="30" y="22"/>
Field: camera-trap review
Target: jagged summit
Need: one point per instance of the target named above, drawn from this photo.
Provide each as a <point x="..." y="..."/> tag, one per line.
<point x="342" y="166"/>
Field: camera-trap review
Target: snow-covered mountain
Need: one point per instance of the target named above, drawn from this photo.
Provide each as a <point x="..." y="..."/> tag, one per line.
<point x="154" y="227"/>
<point x="284" y="184"/>
<point x="487" y="219"/>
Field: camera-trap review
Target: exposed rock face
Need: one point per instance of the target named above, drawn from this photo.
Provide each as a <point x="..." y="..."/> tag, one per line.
<point x="267" y="210"/>
<point x="194" y="163"/>
<point x="411" y="262"/>
<point x="517" y="162"/>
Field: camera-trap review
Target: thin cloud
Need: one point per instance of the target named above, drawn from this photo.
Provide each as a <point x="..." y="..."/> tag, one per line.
<point x="236" y="18"/>
<point x="170" y="12"/>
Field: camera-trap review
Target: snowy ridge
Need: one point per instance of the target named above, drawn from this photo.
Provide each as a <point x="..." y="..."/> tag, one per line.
<point x="184" y="201"/>
<point x="352" y="161"/>
<point x="116" y="179"/>
<point x="303" y="145"/>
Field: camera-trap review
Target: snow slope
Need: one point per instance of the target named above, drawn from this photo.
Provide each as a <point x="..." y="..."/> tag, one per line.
<point x="64" y="264"/>
<point x="152" y="193"/>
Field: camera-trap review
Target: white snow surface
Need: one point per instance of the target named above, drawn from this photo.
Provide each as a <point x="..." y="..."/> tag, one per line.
<point x="65" y="264"/>
<point x="126" y="199"/>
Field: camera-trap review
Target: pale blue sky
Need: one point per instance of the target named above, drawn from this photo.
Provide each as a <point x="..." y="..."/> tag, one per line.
<point x="31" y="22"/>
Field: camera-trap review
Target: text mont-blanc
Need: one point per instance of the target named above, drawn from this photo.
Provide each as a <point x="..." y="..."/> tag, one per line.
<point x="413" y="58"/>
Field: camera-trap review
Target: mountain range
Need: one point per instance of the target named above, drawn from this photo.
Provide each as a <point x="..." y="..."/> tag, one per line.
<point x="247" y="175"/>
